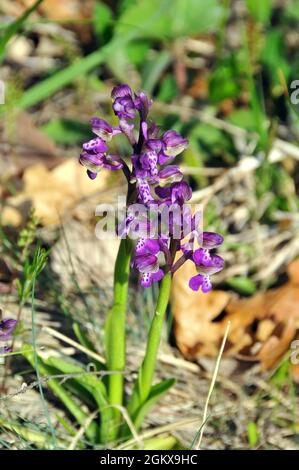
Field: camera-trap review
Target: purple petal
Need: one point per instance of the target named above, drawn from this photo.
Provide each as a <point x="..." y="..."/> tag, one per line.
<point x="97" y="145"/>
<point x="180" y="192"/>
<point x="206" y="284"/>
<point x="171" y="173"/>
<point x="121" y="91"/>
<point x="154" y="144"/>
<point x="142" y="103"/>
<point x="146" y="263"/>
<point x="147" y="246"/>
<point x="91" y="174"/>
<point x="174" y="143"/>
<point x="163" y="192"/>
<point x="101" y="128"/>
<point x="6" y="328"/>
<point x="146" y="280"/>
<point x="211" y="266"/>
<point x="149" y="161"/>
<point x="144" y="192"/>
<point x="200" y="281"/>
<point x="195" y="282"/>
<point x="144" y="129"/>
<point x="93" y="162"/>
<point x="201" y="256"/>
<point x="112" y="162"/>
<point x="156" y="277"/>
<point x="124" y="108"/>
<point x="211" y="239"/>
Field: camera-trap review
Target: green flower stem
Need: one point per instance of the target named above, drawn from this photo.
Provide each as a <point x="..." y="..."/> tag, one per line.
<point x="115" y="330"/>
<point x="146" y="372"/>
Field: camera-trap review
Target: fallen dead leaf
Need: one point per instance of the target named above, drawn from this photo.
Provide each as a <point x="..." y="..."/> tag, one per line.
<point x="194" y="312"/>
<point x="53" y="192"/>
<point x="262" y="327"/>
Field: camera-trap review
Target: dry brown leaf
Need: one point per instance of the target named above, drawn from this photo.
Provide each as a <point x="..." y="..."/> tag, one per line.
<point x="53" y="192"/>
<point x="194" y="312"/>
<point x="68" y="9"/>
<point x="55" y="9"/>
<point x="262" y="327"/>
<point x="276" y="346"/>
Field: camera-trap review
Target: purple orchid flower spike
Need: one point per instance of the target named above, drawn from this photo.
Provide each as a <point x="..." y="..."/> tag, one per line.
<point x="155" y="183"/>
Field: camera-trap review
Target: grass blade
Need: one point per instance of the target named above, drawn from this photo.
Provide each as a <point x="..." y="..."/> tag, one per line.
<point x="15" y="26"/>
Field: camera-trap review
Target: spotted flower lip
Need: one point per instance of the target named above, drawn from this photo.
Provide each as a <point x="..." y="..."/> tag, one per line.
<point x="144" y="246"/>
<point x="149" y="162"/>
<point x="147" y="279"/>
<point x="7" y="327"/>
<point x="96" y="145"/>
<point x="144" y="192"/>
<point x="200" y="281"/>
<point x="206" y="263"/>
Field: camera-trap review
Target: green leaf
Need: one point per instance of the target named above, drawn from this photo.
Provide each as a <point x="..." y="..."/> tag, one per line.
<point x="62" y="394"/>
<point x="34" y="437"/>
<point x="137" y="51"/>
<point x="94" y="386"/>
<point x="252" y="432"/>
<point x="168" y="19"/>
<point x="168" y="89"/>
<point x="82" y="337"/>
<point x="102" y="18"/>
<point x="274" y="54"/>
<point x="241" y="284"/>
<point x="153" y="69"/>
<point x="260" y="11"/>
<point x="157" y="391"/>
<point x="163" y="442"/>
<point x="224" y="84"/>
<point x="243" y="118"/>
<point x="66" y="131"/>
<point x="15" y="26"/>
<point x="119" y="63"/>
